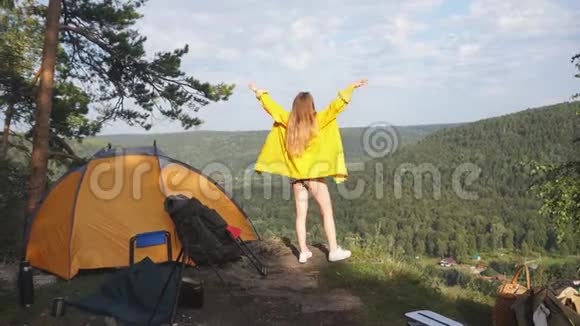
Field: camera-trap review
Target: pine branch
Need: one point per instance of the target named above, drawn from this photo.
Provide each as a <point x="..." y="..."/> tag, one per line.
<point x="88" y="35"/>
<point x="25" y="150"/>
<point x="36" y="78"/>
<point x="62" y="144"/>
<point x="67" y="154"/>
<point x="61" y="155"/>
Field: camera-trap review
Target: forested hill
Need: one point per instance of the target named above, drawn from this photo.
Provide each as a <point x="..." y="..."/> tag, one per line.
<point x="494" y="212"/>
<point x="499" y="146"/>
<point x="239" y="149"/>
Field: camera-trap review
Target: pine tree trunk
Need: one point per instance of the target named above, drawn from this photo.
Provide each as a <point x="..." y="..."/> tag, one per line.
<point x="6" y="130"/>
<point x="41" y="132"/>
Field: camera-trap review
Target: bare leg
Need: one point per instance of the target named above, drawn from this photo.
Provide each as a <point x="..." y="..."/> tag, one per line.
<point x="319" y="190"/>
<point x="301" y="198"/>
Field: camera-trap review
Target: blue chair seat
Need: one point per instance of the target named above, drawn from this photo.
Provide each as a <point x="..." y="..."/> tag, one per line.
<point x="149" y="239"/>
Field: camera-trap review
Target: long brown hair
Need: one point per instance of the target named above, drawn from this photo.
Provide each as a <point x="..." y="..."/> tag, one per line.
<point x="302" y="126"/>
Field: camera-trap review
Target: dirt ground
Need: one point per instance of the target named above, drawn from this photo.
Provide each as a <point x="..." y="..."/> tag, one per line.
<point x="291" y="294"/>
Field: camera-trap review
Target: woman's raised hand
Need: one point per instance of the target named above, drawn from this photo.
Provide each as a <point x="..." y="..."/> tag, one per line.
<point x="360" y="83"/>
<point x="252" y="86"/>
<point x="257" y="92"/>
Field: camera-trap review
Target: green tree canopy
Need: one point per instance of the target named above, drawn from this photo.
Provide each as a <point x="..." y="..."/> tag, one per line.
<point x="559" y="186"/>
<point x="101" y="66"/>
<point x="106" y="53"/>
<point x="576" y="62"/>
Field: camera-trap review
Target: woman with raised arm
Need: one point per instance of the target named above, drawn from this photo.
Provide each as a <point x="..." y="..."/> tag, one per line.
<point x="305" y="146"/>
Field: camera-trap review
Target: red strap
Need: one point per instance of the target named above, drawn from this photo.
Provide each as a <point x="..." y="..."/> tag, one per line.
<point x="234" y="231"/>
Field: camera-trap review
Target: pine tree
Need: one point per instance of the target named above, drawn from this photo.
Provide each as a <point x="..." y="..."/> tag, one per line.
<point x="107" y="55"/>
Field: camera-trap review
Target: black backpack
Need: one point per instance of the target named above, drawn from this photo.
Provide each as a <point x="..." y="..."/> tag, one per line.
<point x="201" y="230"/>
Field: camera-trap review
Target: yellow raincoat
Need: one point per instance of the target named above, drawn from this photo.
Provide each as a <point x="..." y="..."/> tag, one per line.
<point x="324" y="155"/>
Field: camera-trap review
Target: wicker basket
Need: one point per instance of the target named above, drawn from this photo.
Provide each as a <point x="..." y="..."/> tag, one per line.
<point x="506" y="296"/>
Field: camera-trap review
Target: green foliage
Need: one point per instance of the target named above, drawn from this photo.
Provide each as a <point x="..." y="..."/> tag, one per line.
<point x="391" y="286"/>
<point x="19" y="53"/>
<point x="20" y="47"/>
<point x="12" y="196"/>
<point x="559" y="189"/>
<point x="101" y="64"/>
<point x="238" y="150"/>
<point x="107" y="55"/>
<point x="576" y="62"/>
<point x="490" y="271"/>
<point x="503" y="218"/>
<point x="558" y="186"/>
<point x="7" y="4"/>
<point x="11" y="173"/>
<point x="69" y="118"/>
<point x="383" y="278"/>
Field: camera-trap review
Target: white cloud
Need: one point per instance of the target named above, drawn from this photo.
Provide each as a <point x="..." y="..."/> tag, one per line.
<point x="303" y="29"/>
<point x="526" y="17"/>
<point x="400" y="28"/>
<point x="418" y="6"/>
<point x="298" y="60"/>
<point x="488" y="48"/>
<point x="228" y="53"/>
<point x="468" y="50"/>
<point x="396" y="81"/>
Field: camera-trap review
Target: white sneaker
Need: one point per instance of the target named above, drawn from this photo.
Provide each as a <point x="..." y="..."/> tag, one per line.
<point x="304" y="256"/>
<point x="338" y="254"/>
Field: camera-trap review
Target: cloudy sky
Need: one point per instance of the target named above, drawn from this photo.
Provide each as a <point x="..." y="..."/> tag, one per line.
<point x="427" y="61"/>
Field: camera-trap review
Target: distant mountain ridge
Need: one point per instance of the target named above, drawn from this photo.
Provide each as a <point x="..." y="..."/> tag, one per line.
<point x="431" y="209"/>
<point x="239" y="149"/>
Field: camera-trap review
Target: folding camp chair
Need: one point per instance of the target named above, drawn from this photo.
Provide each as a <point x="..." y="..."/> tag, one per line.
<point x="149" y="239"/>
<point x="155" y="238"/>
<point x="181" y="260"/>
<point x="179" y="266"/>
<point x="234" y="234"/>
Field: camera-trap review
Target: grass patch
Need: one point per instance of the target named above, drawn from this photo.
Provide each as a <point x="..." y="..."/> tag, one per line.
<point x="389" y="288"/>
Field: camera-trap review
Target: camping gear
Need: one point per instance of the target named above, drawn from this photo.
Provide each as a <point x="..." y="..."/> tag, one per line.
<point x="58" y="307"/>
<point x="192" y="292"/>
<point x="131" y="295"/>
<point x="234" y="234"/>
<point x="180" y="261"/>
<point x="429" y="318"/>
<point x="200" y="229"/>
<point x="540" y="305"/>
<point x="25" y="284"/>
<point x="560" y="285"/>
<point x="205" y="235"/>
<point x="507" y="294"/>
<point x="148" y="239"/>
<point x="570" y="297"/>
<point x="88" y="217"/>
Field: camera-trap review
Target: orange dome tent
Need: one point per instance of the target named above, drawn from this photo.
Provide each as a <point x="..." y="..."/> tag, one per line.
<point x="89" y="216"/>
